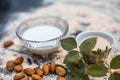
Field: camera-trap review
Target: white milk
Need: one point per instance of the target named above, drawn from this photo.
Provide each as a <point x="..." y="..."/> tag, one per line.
<point x="42" y="33"/>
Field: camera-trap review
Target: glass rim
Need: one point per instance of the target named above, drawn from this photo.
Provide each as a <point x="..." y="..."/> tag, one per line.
<point x="42" y="17"/>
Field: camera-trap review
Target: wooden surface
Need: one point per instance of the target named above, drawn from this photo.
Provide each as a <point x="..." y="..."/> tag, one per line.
<point x="80" y="15"/>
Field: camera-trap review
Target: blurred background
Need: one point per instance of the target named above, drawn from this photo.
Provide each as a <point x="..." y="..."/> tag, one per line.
<point x="99" y="12"/>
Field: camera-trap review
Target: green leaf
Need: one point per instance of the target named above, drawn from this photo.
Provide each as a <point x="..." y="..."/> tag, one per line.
<point x="69" y="77"/>
<point x="73" y="75"/>
<point x="97" y="70"/>
<point x="81" y="64"/>
<point x="76" y="74"/>
<point x="115" y="63"/>
<point x="71" y="57"/>
<point x="70" y="66"/>
<point x="68" y="43"/>
<point x="87" y="45"/>
<point x="114" y="77"/>
<point x="85" y="77"/>
<point x="89" y="58"/>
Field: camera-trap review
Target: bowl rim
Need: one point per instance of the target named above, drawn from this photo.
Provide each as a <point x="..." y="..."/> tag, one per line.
<point x="54" y="17"/>
<point x="108" y="36"/>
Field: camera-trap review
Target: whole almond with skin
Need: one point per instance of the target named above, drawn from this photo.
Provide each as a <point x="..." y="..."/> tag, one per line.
<point x="60" y="71"/>
<point x="10" y="65"/>
<point x="39" y="71"/>
<point x="7" y="43"/>
<point x="36" y="77"/>
<point x="19" y="68"/>
<point x="117" y="72"/>
<point x="60" y="78"/>
<point x="19" y="60"/>
<point x="52" y="67"/>
<point x="29" y="71"/>
<point x="45" y="69"/>
<point x="24" y="79"/>
<point x="19" y="76"/>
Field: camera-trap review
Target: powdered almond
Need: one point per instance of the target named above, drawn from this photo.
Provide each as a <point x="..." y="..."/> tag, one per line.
<point x="39" y="71"/>
<point x="10" y="65"/>
<point x="19" y="60"/>
<point x="29" y="71"/>
<point x="19" y="68"/>
<point x="19" y="76"/>
<point x="36" y="77"/>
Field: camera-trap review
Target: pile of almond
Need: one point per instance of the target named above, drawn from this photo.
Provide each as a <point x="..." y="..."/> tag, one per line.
<point x="36" y="73"/>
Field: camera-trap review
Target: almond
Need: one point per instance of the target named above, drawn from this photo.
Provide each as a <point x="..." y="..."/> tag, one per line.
<point x="36" y="77"/>
<point x="8" y="43"/>
<point x="19" y="68"/>
<point x="19" y="76"/>
<point x="60" y="78"/>
<point x="19" y="60"/>
<point x="29" y="71"/>
<point x="117" y="72"/>
<point x="60" y="71"/>
<point x="24" y="79"/>
<point x="10" y="65"/>
<point x="39" y="71"/>
<point x="52" y="67"/>
<point x="45" y="69"/>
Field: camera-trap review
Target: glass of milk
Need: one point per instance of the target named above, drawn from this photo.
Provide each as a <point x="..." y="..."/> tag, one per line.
<point x="41" y="35"/>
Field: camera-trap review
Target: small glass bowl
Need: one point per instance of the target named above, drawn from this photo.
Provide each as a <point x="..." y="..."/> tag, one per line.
<point x="97" y="33"/>
<point x="42" y="47"/>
